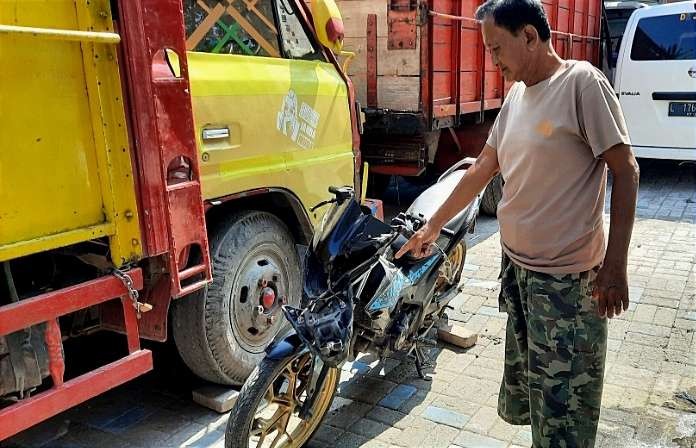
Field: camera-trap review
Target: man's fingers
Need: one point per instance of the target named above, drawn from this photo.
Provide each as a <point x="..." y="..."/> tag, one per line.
<point x="595" y="292"/>
<point x="625" y="300"/>
<point x="609" y="303"/>
<point x="614" y="302"/>
<point x="601" y="301"/>
<point x="618" y="298"/>
<point x="405" y="248"/>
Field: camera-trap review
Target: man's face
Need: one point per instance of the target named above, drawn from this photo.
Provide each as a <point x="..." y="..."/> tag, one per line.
<point x="511" y="53"/>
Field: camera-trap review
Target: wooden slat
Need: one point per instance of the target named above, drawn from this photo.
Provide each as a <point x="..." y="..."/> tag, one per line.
<point x="205" y="26"/>
<point x="249" y="28"/>
<point x="469" y="89"/>
<point x="493" y="86"/>
<point x="390" y="63"/>
<point x="398" y="92"/>
<point x="445" y="110"/>
<point x="251" y="5"/>
<point x="470" y="107"/>
<point x="355" y="12"/>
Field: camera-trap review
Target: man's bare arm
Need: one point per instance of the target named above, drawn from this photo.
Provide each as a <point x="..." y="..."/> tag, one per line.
<point x="611" y="287"/>
<point x="475" y="180"/>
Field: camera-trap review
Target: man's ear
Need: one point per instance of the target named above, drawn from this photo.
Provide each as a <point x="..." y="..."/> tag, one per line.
<point x="531" y="37"/>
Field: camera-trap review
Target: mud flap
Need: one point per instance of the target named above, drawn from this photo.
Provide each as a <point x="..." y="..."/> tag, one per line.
<point x="23" y="361"/>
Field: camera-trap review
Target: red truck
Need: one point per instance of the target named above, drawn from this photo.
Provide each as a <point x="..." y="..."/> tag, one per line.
<point x="428" y="87"/>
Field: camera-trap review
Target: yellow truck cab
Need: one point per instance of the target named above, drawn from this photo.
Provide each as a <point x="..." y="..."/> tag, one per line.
<point x="273" y="125"/>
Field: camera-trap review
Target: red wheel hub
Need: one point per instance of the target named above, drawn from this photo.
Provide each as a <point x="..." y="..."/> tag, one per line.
<point x="268" y="298"/>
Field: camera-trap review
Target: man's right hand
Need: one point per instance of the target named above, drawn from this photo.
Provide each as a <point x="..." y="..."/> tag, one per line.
<point x="421" y="243"/>
<point x="475" y="179"/>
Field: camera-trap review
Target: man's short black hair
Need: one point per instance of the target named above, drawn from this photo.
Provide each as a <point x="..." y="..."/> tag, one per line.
<point x="513" y="15"/>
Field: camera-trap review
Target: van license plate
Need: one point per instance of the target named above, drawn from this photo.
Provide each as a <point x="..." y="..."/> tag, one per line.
<point x="682" y="110"/>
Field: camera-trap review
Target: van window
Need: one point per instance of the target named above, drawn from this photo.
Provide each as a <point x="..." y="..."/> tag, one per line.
<point x="665" y="38"/>
<point x="231" y="27"/>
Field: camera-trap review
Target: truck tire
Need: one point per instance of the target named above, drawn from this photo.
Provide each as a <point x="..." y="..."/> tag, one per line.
<point x="222" y="331"/>
<point x="492" y="195"/>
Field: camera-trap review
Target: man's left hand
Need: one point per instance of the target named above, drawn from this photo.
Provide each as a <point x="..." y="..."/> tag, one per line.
<point x="611" y="289"/>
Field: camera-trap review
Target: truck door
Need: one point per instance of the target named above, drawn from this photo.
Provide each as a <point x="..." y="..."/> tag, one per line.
<point x="269" y="110"/>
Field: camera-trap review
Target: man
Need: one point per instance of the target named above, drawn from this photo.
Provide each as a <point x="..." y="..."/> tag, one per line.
<point x="557" y="132"/>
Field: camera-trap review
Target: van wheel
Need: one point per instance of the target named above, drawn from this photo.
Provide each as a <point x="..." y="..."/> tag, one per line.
<point x="492" y="195"/>
<point x="222" y="331"/>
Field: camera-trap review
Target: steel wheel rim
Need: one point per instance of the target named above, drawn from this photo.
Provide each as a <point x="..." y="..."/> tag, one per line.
<point x="456" y="258"/>
<point x="254" y="330"/>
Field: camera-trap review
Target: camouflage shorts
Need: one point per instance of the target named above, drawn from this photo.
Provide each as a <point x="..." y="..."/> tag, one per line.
<point x="555" y="349"/>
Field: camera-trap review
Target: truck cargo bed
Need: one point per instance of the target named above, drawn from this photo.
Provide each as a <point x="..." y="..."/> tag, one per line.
<point x="65" y="166"/>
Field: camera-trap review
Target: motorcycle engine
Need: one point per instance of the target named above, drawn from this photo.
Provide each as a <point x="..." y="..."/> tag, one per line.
<point x="399" y="331"/>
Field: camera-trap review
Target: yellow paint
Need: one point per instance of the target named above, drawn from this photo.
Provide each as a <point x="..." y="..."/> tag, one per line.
<point x="30" y="246"/>
<point x="322" y="12"/>
<point x="363" y="189"/>
<point x="245" y="94"/>
<point x="64" y="35"/>
<point x="65" y="168"/>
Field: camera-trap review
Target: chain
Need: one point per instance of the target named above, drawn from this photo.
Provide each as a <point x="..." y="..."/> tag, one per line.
<point x="132" y="292"/>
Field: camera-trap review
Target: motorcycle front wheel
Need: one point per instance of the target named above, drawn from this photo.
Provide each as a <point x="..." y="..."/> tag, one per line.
<point x="266" y="413"/>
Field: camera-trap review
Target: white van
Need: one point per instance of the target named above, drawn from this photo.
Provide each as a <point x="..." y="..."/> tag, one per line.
<point x="616" y="19"/>
<point x="656" y="81"/>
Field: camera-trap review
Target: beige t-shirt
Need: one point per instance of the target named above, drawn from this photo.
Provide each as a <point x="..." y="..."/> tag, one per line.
<point x="548" y="138"/>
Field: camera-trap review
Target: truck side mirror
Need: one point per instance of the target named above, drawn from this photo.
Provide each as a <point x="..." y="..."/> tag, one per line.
<point x="328" y="24"/>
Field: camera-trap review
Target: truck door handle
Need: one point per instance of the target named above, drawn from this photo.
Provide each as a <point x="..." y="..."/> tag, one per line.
<point x="216" y="133"/>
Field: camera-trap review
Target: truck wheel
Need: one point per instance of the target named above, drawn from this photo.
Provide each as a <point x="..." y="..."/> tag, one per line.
<point x="222" y="331"/>
<point x="492" y="195"/>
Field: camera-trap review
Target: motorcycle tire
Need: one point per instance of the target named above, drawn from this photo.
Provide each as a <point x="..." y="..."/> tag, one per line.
<point x="268" y="376"/>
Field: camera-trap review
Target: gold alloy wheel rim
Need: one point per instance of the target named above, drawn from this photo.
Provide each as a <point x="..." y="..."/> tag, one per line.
<point x="281" y="403"/>
<point x="456" y="258"/>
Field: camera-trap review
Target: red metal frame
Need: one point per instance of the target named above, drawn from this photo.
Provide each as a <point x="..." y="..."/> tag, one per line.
<point x="401" y="24"/>
<point x="164" y="132"/>
<point x="371" y="60"/>
<point x="442" y="98"/>
<point x="426" y="72"/>
<point x="63" y="395"/>
<point x="401" y="170"/>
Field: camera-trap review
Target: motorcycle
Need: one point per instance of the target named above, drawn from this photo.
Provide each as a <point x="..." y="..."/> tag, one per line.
<point x="357" y="299"/>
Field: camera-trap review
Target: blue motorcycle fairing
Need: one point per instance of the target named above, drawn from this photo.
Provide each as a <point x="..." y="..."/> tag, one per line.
<point x="401" y="279"/>
<point x="291" y="345"/>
